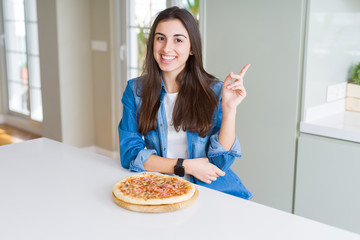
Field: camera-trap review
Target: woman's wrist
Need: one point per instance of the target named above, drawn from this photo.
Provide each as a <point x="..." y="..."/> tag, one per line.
<point x="227" y="129"/>
<point x="229" y="114"/>
<point x="187" y="166"/>
<point x="228" y="111"/>
<point x="228" y="118"/>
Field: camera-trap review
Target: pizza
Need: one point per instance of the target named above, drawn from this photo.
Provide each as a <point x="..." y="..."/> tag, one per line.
<point x="153" y="189"/>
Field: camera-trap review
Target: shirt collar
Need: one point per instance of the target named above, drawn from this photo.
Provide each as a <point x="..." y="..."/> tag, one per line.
<point x="163" y="88"/>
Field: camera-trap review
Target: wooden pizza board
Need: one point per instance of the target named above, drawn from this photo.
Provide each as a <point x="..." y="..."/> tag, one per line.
<point x="156" y="208"/>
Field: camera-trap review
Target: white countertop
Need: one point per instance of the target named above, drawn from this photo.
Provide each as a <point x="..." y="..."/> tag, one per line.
<point x="344" y="125"/>
<point x="49" y="190"/>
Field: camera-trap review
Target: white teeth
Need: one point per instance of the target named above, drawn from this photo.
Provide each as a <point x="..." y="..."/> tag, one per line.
<point x="167" y="57"/>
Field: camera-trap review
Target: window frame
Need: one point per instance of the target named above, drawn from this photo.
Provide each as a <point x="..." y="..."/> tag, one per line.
<point x="9" y="116"/>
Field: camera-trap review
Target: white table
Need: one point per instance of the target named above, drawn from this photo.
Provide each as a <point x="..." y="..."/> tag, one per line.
<point x="49" y="190"/>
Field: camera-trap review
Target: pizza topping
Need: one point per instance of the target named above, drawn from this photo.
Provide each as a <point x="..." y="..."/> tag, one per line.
<point x="153" y="187"/>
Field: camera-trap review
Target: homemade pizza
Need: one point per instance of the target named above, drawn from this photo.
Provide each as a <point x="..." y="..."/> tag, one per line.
<point x="153" y="189"/>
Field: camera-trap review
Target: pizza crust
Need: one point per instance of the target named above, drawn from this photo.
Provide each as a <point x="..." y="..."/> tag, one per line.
<point x="187" y="187"/>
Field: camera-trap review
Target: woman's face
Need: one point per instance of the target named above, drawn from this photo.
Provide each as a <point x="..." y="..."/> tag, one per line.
<point x="171" y="46"/>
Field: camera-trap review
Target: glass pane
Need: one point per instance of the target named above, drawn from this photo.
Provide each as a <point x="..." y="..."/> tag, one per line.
<point x="133" y="73"/>
<point x="13" y="10"/>
<point x="142" y="38"/>
<point x="34" y="72"/>
<point x="133" y="56"/>
<point x="17" y="67"/>
<point x="31" y="10"/>
<point x="192" y="6"/>
<point x="138" y="40"/>
<point x="15" y="36"/>
<point x="33" y="38"/>
<point x="145" y="10"/>
<point x="36" y="105"/>
<point x="21" y="38"/>
<point x="142" y="14"/>
<point x="18" y="97"/>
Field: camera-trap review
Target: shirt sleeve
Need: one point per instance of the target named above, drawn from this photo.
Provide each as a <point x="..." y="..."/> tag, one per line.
<point x="217" y="154"/>
<point x="133" y="152"/>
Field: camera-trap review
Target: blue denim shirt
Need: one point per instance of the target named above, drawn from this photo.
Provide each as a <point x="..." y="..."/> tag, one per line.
<point x="135" y="148"/>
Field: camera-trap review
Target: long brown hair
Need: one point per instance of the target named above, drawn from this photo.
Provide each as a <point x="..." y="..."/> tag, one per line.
<point x="196" y="102"/>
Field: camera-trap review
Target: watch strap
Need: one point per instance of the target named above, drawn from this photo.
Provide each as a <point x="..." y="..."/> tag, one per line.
<point x="179" y="168"/>
<point x="180" y="162"/>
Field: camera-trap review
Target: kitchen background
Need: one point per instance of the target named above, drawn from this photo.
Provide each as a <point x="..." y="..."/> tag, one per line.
<point x="300" y="147"/>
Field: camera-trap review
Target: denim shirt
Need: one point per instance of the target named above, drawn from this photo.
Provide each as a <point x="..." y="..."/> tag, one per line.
<point x="135" y="148"/>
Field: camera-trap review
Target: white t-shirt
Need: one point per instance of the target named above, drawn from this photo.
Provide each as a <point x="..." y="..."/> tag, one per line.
<point x="177" y="142"/>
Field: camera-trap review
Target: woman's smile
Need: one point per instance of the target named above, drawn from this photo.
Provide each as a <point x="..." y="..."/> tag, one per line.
<point x="167" y="58"/>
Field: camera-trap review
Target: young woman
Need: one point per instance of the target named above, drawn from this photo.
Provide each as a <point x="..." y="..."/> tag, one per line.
<point x="177" y="118"/>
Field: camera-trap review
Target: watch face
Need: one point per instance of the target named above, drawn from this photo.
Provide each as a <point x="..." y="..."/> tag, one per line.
<point x="180" y="171"/>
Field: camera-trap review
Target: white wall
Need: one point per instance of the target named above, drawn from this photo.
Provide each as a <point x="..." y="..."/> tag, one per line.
<point x="75" y="72"/>
<point x="267" y="34"/>
<point x="49" y="63"/>
<point x="103" y="66"/>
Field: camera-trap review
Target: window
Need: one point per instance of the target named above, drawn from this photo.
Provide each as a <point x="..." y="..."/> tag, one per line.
<point x="21" y="57"/>
<point x="142" y="13"/>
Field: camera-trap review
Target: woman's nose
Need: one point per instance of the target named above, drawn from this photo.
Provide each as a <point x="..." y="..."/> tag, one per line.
<point x="167" y="46"/>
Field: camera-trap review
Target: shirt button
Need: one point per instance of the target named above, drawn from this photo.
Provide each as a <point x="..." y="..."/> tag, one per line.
<point x="160" y="124"/>
<point x="164" y="149"/>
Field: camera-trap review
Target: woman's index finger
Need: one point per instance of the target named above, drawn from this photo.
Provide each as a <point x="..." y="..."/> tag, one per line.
<point x="243" y="71"/>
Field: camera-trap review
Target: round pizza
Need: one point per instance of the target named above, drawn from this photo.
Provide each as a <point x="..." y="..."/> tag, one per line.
<point x="153" y="189"/>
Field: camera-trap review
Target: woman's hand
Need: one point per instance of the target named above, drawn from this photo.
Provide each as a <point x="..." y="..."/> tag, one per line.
<point x="202" y="169"/>
<point x="234" y="93"/>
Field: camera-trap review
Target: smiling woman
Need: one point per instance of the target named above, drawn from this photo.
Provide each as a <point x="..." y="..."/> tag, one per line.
<point x="177" y="118"/>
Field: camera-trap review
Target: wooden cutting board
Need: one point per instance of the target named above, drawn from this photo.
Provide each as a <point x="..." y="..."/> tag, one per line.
<point x="156" y="208"/>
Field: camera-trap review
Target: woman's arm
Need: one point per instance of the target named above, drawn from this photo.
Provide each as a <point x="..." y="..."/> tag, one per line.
<point x="227" y="130"/>
<point x="200" y="168"/>
<point x="232" y="96"/>
<point x="133" y="152"/>
<point x="160" y="164"/>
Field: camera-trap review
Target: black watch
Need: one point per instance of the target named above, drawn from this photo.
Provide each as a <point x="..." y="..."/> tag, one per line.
<point x="179" y="168"/>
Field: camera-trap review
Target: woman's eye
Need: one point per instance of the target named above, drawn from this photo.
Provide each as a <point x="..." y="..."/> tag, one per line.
<point x="178" y="40"/>
<point x="160" y="38"/>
